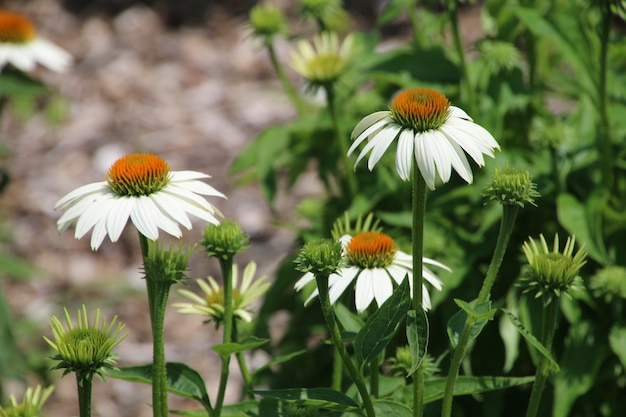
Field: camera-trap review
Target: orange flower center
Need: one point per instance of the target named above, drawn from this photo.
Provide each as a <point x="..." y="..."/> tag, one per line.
<point x="420" y="109"/>
<point x="138" y="174"/>
<point x="370" y="250"/>
<point x="15" y="28"/>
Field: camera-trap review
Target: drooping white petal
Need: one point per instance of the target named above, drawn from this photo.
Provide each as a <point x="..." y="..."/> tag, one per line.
<point x="440" y="151"/>
<point x="404" y="154"/>
<point x="96" y="211"/>
<point x="381" y="144"/>
<point x="364" y="293"/>
<point x="343" y="281"/>
<point x="425" y="162"/>
<point x="118" y="217"/>
<point x="458" y="113"/>
<point x="199" y="187"/>
<point x="426" y="298"/>
<point x="382" y="286"/>
<point x="461" y="164"/>
<point x="368" y="121"/>
<point x="143" y="215"/>
<point x="81" y="193"/>
<point x="172" y="206"/>
<point x="370" y="131"/>
<point x="98" y="234"/>
<point x="432" y="278"/>
<point x="305" y="279"/>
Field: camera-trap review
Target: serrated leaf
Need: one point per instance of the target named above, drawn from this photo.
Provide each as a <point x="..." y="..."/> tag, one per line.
<point x="181" y="380"/>
<point x="417" y="336"/>
<point x="532" y="339"/>
<point x="391" y="408"/>
<point x="382" y="325"/>
<point x="323" y="398"/>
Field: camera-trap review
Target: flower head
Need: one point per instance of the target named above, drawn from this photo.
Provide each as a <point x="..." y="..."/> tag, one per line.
<point x="224" y="240"/>
<point x="500" y="56"/>
<point x="328" y="13"/>
<point x="401" y="364"/>
<point x="167" y="266"/>
<point x="609" y="282"/>
<point x="267" y="21"/>
<point x="85" y="349"/>
<point x="21" y="47"/>
<point x="429" y="129"/>
<point x="140" y="187"/>
<point x="373" y="261"/>
<point x="212" y="304"/>
<point x="510" y="186"/>
<point x="325" y="61"/>
<point x="552" y="272"/>
<point x="31" y="403"/>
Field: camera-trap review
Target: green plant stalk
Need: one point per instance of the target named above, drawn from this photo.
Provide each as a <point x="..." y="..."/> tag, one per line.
<point x="335" y="336"/>
<point x="243" y="367"/>
<point x="337" y="371"/>
<point x="466" y="83"/>
<point x="374" y="380"/>
<point x="158" y="292"/>
<point x="348" y="172"/>
<point x="550" y="317"/>
<point x="84" y="384"/>
<point x="290" y="90"/>
<point x="509" y="213"/>
<point x="606" y="148"/>
<point x="419" y="212"/>
<point x="226" y="266"/>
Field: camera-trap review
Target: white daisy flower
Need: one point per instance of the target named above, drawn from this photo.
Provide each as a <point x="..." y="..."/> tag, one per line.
<point x="212" y="304"/>
<point x="323" y="61"/>
<point x="427" y="128"/>
<point x="373" y="260"/>
<point x="140" y="187"/>
<point x="21" y="47"/>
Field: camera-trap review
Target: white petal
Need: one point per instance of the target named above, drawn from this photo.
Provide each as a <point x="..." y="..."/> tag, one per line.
<point x="172" y="206"/>
<point x="461" y="165"/>
<point x="98" y="234"/>
<point x="370" y="131"/>
<point x="404" y="154"/>
<point x="199" y="187"/>
<point x="383" y="288"/>
<point x="118" y="217"/>
<point x="341" y="283"/>
<point x="432" y="262"/>
<point x="425" y="162"/>
<point x="425" y="298"/>
<point x="98" y="210"/>
<point x="432" y="278"/>
<point x="440" y="150"/>
<point x="364" y="293"/>
<point x="457" y="112"/>
<point x="399" y="273"/>
<point x="381" y="144"/>
<point x="187" y="175"/>
<point x="368" y="121"/>
<point x="82" y="192"/>
<point x="306" y="278"/>
<point x="144" y="214"/>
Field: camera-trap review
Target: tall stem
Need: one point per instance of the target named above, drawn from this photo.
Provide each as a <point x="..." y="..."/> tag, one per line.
<point x="84" y="384"/>
<point x="335" y="336"/>
<point x="290" y="90"/>
<point x="158" y="291"/>
<point x="504" y="235"/>
<point x="550" y="316"/>
<point x="419" y="212"/>
<point x="466" y="83"/>
<point x="227" y="276"/>
<point x="337" y="371"/>
<point x="340" y="138"/>
<point x="606" y="148"/>
<point x="243" y="367"/>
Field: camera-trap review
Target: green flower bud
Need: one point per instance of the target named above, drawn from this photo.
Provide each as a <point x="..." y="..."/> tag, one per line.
<point x="343" y="226"/>
<point x="225" y="240"/>
<point x="267" y="21"/>
<point x="85" y="349"/>
<point x="299" y="410"/>
<point x="500" y="56"/>
<point x="401" y="364"/>
<point x="166" y="265"/>
<point x="322" y="257"/>
<point x="510" y="186"/>
<point x="30" y="405"/>
<point x="609" y="282"/>
<point x="551" y="273"/>
<point x="328" y="13"/>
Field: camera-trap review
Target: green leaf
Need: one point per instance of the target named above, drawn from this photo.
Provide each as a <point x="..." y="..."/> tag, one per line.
<point x="481" y="312"/>
<point x="350" y="321"/>
<point x="279" y="359"/>
<point x="323" y="398"/>
<point x="466" y="385"/>
<point x="382" y="325"/>
<point x="391" y="408"/>
<point x="181" y="380"/>
<point x="532" y="339"/>
<point x="417" y="336"/>
<point x="617" y="341"/>
<point x="392" y="10"/>
<point x="227" y="349"/>
<point x="16" y="83"/>
<point x="241" y="409"/>
<point x="583" y="222"/>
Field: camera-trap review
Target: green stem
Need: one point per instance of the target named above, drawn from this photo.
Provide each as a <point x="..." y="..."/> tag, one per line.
<point x="227" y="275"/>
<point x="550" y="316"/>
<point x="335" y="336"/>
<point x="337" y="371"/>
<point x="158" y="291"/>
<point x="374" y="384"/>
<point x="506" y="228"/>
<point x="290" y="90"/>
<point x="419" y="212"/>
<point x="243" y="367"/>
<point x="606" y="148"/>
<point x="84" y="384"/>
<point x="466" y="84"/>
<point x="348" y="172"/>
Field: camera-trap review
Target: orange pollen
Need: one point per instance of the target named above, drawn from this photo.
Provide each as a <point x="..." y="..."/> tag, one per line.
<point x="421" y="102"/>
<point x="15" y="28"/>
<point x="138" y="174"/>
<point x="371" y="250"/>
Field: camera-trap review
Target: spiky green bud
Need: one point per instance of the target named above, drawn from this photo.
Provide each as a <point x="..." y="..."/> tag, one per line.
<point x="510" y="186"/>
<point x="267" y="21"/>
<point x="167" y="265"/>
<point x="225" y="240"/>
<point x="322" y="257"/>
<point x="31" y="403"/>
<point x="609" y="282"/>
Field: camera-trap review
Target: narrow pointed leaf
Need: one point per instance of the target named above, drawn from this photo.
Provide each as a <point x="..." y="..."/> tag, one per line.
<point x="482" y="313"/>
<point x="530" y="338"/>
<point x="467" y="385"/>
<point x="322" y="398"/>
<point x="391" y="408"/>
<point x="417" y="336"/>
<point x="227" y="349"/>
<point x="382" y="325"/>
